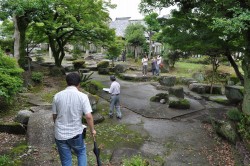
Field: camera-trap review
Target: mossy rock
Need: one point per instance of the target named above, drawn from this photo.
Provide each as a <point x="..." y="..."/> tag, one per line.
<point x="103" y="71"/>
<point x="103" y="64"/>
<point x="79" y="63"/>
<point x="57" y="71"/>
<point x="13" y="128"/>
<point x="160" y="96"/>
<point x="226" y="130"/>
<point x="179" y="104"/>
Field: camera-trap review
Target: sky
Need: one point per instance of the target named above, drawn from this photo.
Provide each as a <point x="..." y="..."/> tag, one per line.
<point x="128" y="8"/>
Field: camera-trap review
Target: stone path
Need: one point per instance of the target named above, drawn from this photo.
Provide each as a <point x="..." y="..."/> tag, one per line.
<point x="176" y="137"/>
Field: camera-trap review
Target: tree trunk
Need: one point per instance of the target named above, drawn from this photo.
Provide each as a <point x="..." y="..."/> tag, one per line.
<point x="246" y="68"/>
<point x="16" y="39"/>
<point x="150" y="45"/>
<point x="57" y="49"/>
<point x="235" y="66"/>
<point x="21" y="25"/>
<point x="213" y="73"/>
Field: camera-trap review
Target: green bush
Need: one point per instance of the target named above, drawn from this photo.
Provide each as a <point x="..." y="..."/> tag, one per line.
<point x="5" y="160"/>
<point x="37" y="77"/>
<point x="179" y="104"/>
<point x="135" y="161"/>
<point x="202" y="60"/>
<point x="10" y="77"/>
<point x="39" y="59"/>
<point x="234" y="114"/>
<point x="244" y="127"/>
<point x="56" y="71"/>
<point x="103" y="64"/>
<point x="79" y="64"/>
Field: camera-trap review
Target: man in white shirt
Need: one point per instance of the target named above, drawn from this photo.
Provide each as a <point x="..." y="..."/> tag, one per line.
<point x="68" y="108"/>
<point x="144" y="65"/>
<point x="115" y="98"/>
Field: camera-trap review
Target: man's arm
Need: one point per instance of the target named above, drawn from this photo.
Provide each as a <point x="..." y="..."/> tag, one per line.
<point x="54" y="117"/>
<point x="90" y="121"/>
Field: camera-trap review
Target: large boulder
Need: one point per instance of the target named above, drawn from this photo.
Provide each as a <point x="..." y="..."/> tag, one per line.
<point x="104" y="71"/>
<point x="176" y="91"/>
<point x="120" y="68"/>
<point x="167" y="80"/>
<point x="178" y="103"/>
<point x="40" y="131"/>
<point x="23" y="116"/>
<point x="158" y="97"/>
<point x="205" y="88"/>
<point x="234" y="93"/>
<point x="226" y="130"/>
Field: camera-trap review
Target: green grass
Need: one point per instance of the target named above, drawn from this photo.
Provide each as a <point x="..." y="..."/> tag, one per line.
<point x="186" y="69"/>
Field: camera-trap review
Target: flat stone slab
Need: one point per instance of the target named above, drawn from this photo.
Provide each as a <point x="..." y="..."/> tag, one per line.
<point x="40" y="131"/>
<point x="136" y="97"/>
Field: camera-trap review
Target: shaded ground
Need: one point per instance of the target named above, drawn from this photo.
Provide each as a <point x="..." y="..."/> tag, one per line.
<point x="182" y="141"/>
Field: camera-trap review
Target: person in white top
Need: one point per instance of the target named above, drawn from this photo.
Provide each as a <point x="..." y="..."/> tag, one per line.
<point x="158" y="62"/>
<point x="68" y="108"/>
<point x="115" y="98"/>
<point x="144" y="65"/>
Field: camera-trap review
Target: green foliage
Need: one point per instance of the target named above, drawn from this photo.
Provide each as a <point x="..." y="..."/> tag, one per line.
<point x="92" y="86"/>
<point x="181" y="104"/>
<point x="202" y="60"/>
<point x="56" y="71"/>
<point x="39" y="59"/>
<point x="234" y="114"/>
<point x="134" y="34"/>
<point x="115" y="48"/>
<point x="6" y="161"/>
<point x="10" y="77"/>
<point x="103" y="64"/>
<point x="244" y="127"/>
<point x="135" y="161"/>
<point x="37" y="77"/>
<point x="79" y="63"/>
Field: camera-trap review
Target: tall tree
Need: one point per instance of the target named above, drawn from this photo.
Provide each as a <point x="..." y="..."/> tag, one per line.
<point x="22" y="12"/>
<point x="153" y="26"/>
<point x="227" y="21"/>
<point x="68" y="20"/>
<point x="134" y="35"/>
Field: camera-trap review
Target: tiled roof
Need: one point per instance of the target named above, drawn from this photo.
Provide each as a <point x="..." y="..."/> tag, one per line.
<point x="121" y="23"/>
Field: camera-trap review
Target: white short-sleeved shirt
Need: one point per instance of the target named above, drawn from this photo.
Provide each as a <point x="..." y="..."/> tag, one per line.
<point x="114" y="88"/>
<point x="144" y="61"/>
<point x="159" y="60"/>
<point x="69" y="105"/>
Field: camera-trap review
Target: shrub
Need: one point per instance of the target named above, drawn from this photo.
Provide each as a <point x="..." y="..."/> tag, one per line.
<point x="37" y="77"/>
<point x="57" y="71"/>
<point x="5" y="160"/>
<point x="179" y="104"/>
<point x="103" y="64"/>
<point x="244" y="127"/>
<point x="10" y="77"/>
<point x="234" y="114"/>
<point x="39" y="59"/>
<point x="135" y="161"/>
<point x="79" y="64"/>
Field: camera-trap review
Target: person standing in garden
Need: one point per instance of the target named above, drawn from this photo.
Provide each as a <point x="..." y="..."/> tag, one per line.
<point x="153" y="66"/>
<point x="115" y="98"/>
<point x="144" y="65"/>
<point x="68" y="108"/>
<point x="158" y="63"/>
